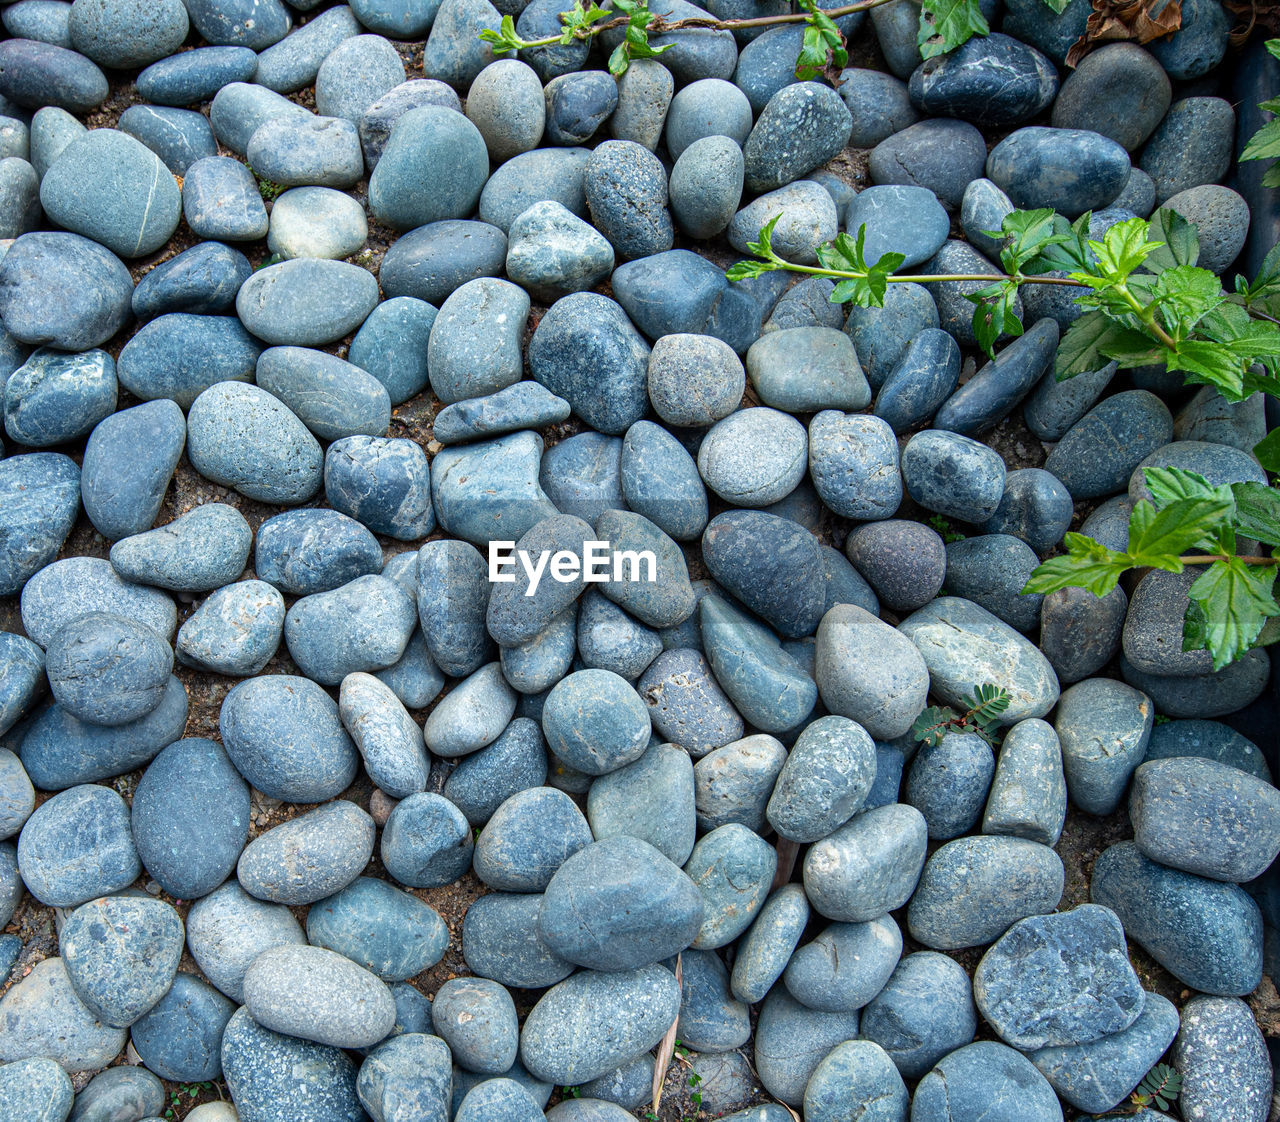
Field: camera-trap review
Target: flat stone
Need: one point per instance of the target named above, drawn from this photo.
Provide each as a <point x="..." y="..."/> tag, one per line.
<point x="77" y="846"/>
<point x="42" y="1017"/>
<point x="430" y="262"/>
<point x="128" y="462"/>
<point x="306" y="302"/>
<point x="984" y="1080"/>
<point x="34" y="74"/>
<point x="54" y="398"/>
<point x="202" y="280"/>
<point x="528" y="838"/>
<point x="869" y="867"/>
<point x="198" y="551"/>
<point x="924" y="1012"/>
<point x="180" y="1037"/>
<point x="990" y="80"/>
<point x="309" y="857"/>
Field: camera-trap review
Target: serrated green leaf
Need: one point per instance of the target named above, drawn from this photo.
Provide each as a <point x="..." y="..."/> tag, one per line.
<point x="994" y="315"/>
<point x="1181" y="242"/>
<point x="945" y="24"/>
<point x="1169" y="484"/>
<point x="746" y="270"/>
<point x="1209" y="363"/>
<point x="1078" y="352"/>
<point x="1123" y="248"/>
<point x="1272" y="176"/>
<point x="1057" y="6"/>
<point x="1257" y="513"/>
<point x="1028" y="233"/>
<point x="1267" y="282"/>
<point x="1185" y="295"/>
<point x="1273" y="47"/>
<point x="1236" y="600"/>
<point x="1130" y="348"/>
<point x="1267" y="450"/>
<point x="1264" y="144"/>
<point x="1087" y="564"/>
<point x="764" y="246"/>
<point x="1158" y="537"/>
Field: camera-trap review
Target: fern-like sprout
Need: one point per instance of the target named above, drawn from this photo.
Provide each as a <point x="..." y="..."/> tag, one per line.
<point x="983" y="708"/>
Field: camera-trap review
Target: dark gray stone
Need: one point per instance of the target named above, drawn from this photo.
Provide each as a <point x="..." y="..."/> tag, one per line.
<point x="528" y="838"/>
<point x="924" y="1012"/>
<point x="426" y="842"/>
<point x="792" y="1040"/>
<point x="1068" y="170"/>
<point x="1223" y="1060"/>
<point x="990" y="80"/>
<point x="881" y="335"/>
<point x="904" y="562"/>
<point x="501" y="940"/>
<point x="1035" y="508"/>
<point x="180" y="1037"/>
<point x="626" y="192"/>
<point x="1103" y="726"/>
<point x="651" y="800"/>
<point x="453" y="593"/>
<point x="953" y="475"/>
<point x="128" y="463"/>
<point x="984" y="1080"/>
<point x="943" y="155"/>
<point x="801" y="127"/>
<point x="997" y="389"/>
<point x="1118" y="90"/>
<point x="107" y="670"/>
<point x="1028" y="796"/>
<point x="202" y="280"/>
<point x="992" y="570"/>
<point x="1192" y="146"/>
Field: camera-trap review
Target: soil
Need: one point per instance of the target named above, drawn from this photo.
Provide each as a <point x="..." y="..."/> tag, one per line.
<point x="1083" y="838"/>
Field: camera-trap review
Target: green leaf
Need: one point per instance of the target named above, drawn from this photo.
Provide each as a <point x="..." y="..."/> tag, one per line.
<point x="1169" y="484"/>
<point x="846" y="255"/>
<point x="1236" y="600"/>
<point x="1185" y="295"/>
<point x="1268" y="451"/>
<point x="1057" y="6"/>
<point x="1264" y="144"/>
<point x="1073" y="254"/>
<point x="1158" y="537"/>
<point x="1209" y="363"/>
<point x="1181" y="243"/>
<point x="746" y="270"/>
<point x="764" y="247"/>
<point x="1123" y="248"/>
<point x="1257" y="511"/>
<point x="1273" y="47"/>
<point x="1087" y="564"/>
<point x="1267" y="282"/>
<point x="945" y="24"/>
<point x="619" y="60"/>
<point x="994" y="315"/>
<point x="1130" y="348"/>
<point x="1080" y="350"/>
<point x="1028" y="234"/>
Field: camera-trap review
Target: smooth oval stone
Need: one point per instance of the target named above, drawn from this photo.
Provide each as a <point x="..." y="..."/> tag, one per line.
<point x="853" y="460"/>
<point x="78" y="585"/>
<point x="595" y="722"/>
<point x="677" y="291"/>
<point x="17" y="796"/>
<point x="1204" y="695"/>
<point x="791" y="1041"/>
<point x="943" y="155"/>
<point x="364" y="625"/>
<point x="51" y="130"/>
<point x="474" y="347"/>
<point x="973" y="889"/>
<point x="317" y="222"/>
<point x="35" y="1088"/>
<point x="243" y="437"/>
<point x="991" y="394"/>
<point x="563" y="1040"/>
<point x="306" y="302"/>
<point x="490" y="490"/>
<point x="297" y="151"/>
<point x="388" y="932"/>
<point x="801" y="127"/>
<point x="44" y="21"/>
<point x="1097" y="1076"/>
<point x="707" y="107"/>
<point x="357" y="72"/>
<point x="650" y="800"/>
<point x="121" y="954"/>
<point x="1068" y="170"/>
<point x="1198" y="46"/>
<point x="769" y="942"/>
<point x="20" y="190"/>
<point x="619" y="904"/>
<point x="1206" y="933"/>
<point x="180" y="1037"/>
<point x="472" y="715"/>
<point x="54" y="398"/>
<point x="59" y="750"/>
<point x="179" y="137"/>
<point x="711" y="1018"/>
<point x="992" y="570"/>
<point x="706" y="185"/>
<point x="64" y="290"/>
<point x="845" y="966"/>
<point x="42" y="1017"/>
<point x="964" y="645"/>
<point x="120" y="1090"/>
<point x="803" y="369"/>
<point x="427" y="842"/>
<point x="1103" y="726"/>
<point x="453" y="592"/>
<point x="477" y="1019"/>
<point x="482" y="781"/>
<point x="806" y="216"/>
<point x="227" y="929"/>
<point x="860" y="1071"/>
<point x="1204" y="817"/>
<point x="660" y="480"/>
<point x="201" y="550"/>
<point x="190" y="818"/>
<point x="1208" y="740"/>
<point x="921" y="380"/>
<point x="985" y="1080"/>
<point x="924" y="1012"/>
<point x="869" y="867"/>
<point x="536" y="665"/>
<point x="239" y="23"/>
<point x="236" y="631"/>
<point x="309" y="857"/>
<point x="609" y="639"/>
<point x="429" y="137"/>
<point x="948" y="783"/>
<point x="201" y="280"/>
<point x="899" y="219"/>
<point x="109" y="186"/>
<point x="283" y="733"/>
<point x="295" y="61"/>
<point x="1223" y="1060"/>
<point x="1119" y="91"/>
<point x="879" y="104"/>
<point x="128" y="462"/>
<point x="880" y="335"/>
<point x="392" y="345"/>
<point x="408" y="1076"/>
<point x="432" y="261"/>
<point x="733" y="783"/>
<point x="389" y="742"/>
<point x="1059" y="980"/>
<point x="953" y="475"/>
<point x="662" y="602"/>
<point x="77" y="846"/>
<point x="189" y="77"/>
<point x="501" y="940"/>
<point x="543" y="175"/>
<point x="528" y="838"/>
<point x="991" y="80"/>
<point x="264" y="1069"/>
<point x="1035" y="507"/>
<point x="1099" y="453"/>
<point x="577" y="104"/>
<point x="1221" y="218"/>
<point x="239" y="108"/>
<point x="905" y="562"/>
<point x="35" y="74"/>
<point x="108" y="670"/>
<point x="824" y="781"/>
<point x="1029" y="792"/>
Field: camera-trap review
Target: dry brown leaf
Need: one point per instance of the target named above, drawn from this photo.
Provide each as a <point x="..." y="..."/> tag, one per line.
<point x="1140" y="21"/>
<point x="667" y="1047"/>
<point x="1251" y="15"/>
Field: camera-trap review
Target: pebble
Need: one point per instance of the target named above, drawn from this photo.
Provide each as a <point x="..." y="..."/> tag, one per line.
<point x="121" y="954"/>
<point x="408" y="1073"/>
<point x="806" y="369"/>
<point x="41" y="1016"/>
<point x="1035" y="509"/>
<point x="846" y="966"/>
<point x="1119" y="91"/>
<point x="333" y="398"/>
<point x="626" y="192"/>
<point x="1221" y="218"/>
<point x="1190" y="147"/>
<point x="1099" y="1075"/>
<point x="198" y="551"/>
<point x="294" y="61"/>
<point x="77" y="846"/>
<point x="272" y="458"/>
<point x="543" y="175"/>
<point x="974" y="888"/>
<point x="1029" y="165"/>
<point x="869" y="867"/>
<point x="528" y="838"/>
<point x="453" y="594"/>
<point x="924" y="1012"/>
<point x="36" y="74"/>
<point x="1204" y="695"/>
<point x="733" y="869"/>
<point x="180" y="1037"/>
<point x="64" y="290"/>
<point x="678" y="292"/>
<point x="996" y="390"/>
<point x="665" y="602"/>
<point x="194" y="76"/>
<point x="955" y="309"/>
<point x="791" y="1041"/>
<point x="129" y="461"/>
<point x="651" y="800"/>
<point x="660" y="480"/>
<point x="20" y="193"/>
<point x="1028" y="797"/>
<point x="707" y="107"/>
<point x="179" y="137"/>
<point x="268" y="1073"/>
<point x="35" y="1088"/>
<point x="309" y="857"/>
<point x="296" y="151"/>
<point x="107" y="670"/>
<point x="806" y="216"/>
<point x="203" y="280"/>
<point x="51" y="130"/>
<point x="552" y="252"/>
<point x="432" y="261"/>
<point x="306" y="302"/>
<point x="1199" y="43"/>
<point x="17" y="797"/>
<point x="227" y="929"/>
<point x="577" y="104"/>
<point x="76" y="585"/>
<point x="427" y="842"/>
<point x="379" y="118"/>
<point x="767" y="63"/>
<point x="563" y="1039"/>
<point x="501" y="940"/>
<point x="364" y="625"/>
<point x="984" y="1080"/>
<point x="942" y="155"/>
<point x="712" y="1020"/>
<point x="122" y="1089"/>
<point x="801" y="127"/>
<point x="1207" y="934"/>
<point x="1103" y="726"/>
<point x="880" y="335"/>
<point x="392" y="346"/>
<point x="178" y="356"/>
<point x="1223" y="1060"/>
<point x="239" y="108"/>
<point x="1098" y="454"/>
<point x="388" y="740"/>
<point x="858" y="1071"/>
<point x="54" y="398"/>
<point x="1208" y="740"/>
<point x="41" y="20"/>
<point x="236" y="631"/>
<point x="991" y="81"/>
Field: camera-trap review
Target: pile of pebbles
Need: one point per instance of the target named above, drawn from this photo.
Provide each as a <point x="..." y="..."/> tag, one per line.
<point x="688" y="795"/>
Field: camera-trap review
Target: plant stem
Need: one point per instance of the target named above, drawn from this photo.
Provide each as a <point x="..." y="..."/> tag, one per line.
<point x="922" y="278"/>
<point x="1209" y="558"/>
<point x="1147" y="314"/>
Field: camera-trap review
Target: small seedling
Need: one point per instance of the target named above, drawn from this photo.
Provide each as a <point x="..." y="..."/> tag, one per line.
<point x="986" y="704"/>
<point x="1160" y="1087"/>
<point x="270" y="191"/>
<point x="946" y="529"/>
<point x="571" y="1092"/>
<point x="183" y="1095"/>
